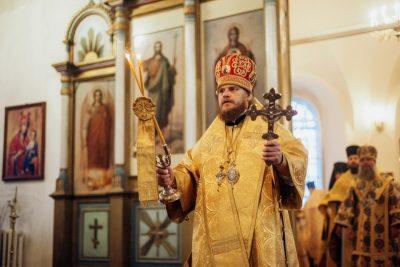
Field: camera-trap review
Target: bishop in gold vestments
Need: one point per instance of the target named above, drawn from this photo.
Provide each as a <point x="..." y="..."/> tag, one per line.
<point x="237" y="222"/>
<point x="371" y="215"/>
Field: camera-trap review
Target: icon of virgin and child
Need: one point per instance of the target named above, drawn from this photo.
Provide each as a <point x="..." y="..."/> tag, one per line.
<point x="23" y="150"/>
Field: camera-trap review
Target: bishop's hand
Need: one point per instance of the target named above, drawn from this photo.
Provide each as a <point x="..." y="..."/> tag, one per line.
<point x="165" y="177"/>
<point x="272" y="153"/>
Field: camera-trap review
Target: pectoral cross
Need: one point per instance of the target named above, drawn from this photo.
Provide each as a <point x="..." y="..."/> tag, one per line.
<point x="272" y="112"/>
<point x="220" y="175"/>
<point x="96" y="227"/>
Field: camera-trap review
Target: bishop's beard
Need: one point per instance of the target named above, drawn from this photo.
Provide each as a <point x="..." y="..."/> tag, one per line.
<point x="367" y="172"/>
<point x="232" y="114"/>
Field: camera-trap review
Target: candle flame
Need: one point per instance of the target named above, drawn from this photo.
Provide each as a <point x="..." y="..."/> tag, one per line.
<point x="128" y="56"/>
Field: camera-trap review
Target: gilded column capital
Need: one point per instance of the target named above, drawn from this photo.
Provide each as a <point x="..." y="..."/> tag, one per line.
<point x="66" y="91"/>
<point x="66" y="88"/>
<point x="189" y="9"/>
<point x="65" y="78"/>
<point x="62" y="183"/>
<point x="120" y="11"/>
<point x="119" y="179"/>
<point x="121" y="19"/>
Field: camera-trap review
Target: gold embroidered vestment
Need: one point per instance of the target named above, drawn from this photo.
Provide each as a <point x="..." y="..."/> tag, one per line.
<point x="371" y="208"/>
<point x="239" y="225"/>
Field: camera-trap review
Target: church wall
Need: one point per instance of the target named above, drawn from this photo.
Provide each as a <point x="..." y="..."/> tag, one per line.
<point x="217" y="9"/>
<point x="346" y="79"/>
<point x="305" y="87"/>
<point x="32" y="34"/>
<point x="308" y="18"/>
<point x="361" y="71"/>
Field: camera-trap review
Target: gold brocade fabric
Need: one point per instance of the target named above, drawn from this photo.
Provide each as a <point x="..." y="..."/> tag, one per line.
<point x="314" y="220"/>
<point x="371" y="208"/>
<point x="341" y="187"/>
<point x="329" y="207"/>
<point x="147" y="181"/>
<point x="239" y="225"/>
<point x="301" y="239"/>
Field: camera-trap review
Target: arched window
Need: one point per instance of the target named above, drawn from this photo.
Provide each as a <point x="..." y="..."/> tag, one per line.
<point x="307" y="127"/>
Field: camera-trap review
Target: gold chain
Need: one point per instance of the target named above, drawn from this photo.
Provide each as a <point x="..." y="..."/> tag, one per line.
<point x="227" y="168"/>
<point x="232" y="142"/>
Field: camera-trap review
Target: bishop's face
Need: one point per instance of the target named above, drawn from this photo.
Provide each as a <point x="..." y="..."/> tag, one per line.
<point x="367" y="168"/>
<point x="232" y="101"/>
<point x="367" y="162"/>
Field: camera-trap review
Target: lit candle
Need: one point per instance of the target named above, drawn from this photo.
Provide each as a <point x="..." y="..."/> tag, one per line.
<point x="139" y="58"/>
<point x="132" y="68"/>
<point x="141" y="88"/>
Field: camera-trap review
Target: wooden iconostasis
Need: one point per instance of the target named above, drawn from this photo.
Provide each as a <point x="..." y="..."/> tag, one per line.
<point x="97" y="218"/>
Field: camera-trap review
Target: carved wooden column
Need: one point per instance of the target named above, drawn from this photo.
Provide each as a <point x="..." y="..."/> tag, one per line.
<point x="120" y="31"/>
<point x="284" y="73"/>
<point x="192" y="122"/>
<point x="271" y="44"/>
<point x="62" y="240"/>
<point x="119" y="203"/>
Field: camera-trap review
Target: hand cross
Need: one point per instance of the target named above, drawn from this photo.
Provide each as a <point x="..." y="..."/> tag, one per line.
<point x="272" y="112"/>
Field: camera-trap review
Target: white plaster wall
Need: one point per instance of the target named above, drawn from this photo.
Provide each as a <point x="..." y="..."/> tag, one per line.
<point x="355" y="80"/>
<point x="313" y="17"/>
<point x="31" y="40"/>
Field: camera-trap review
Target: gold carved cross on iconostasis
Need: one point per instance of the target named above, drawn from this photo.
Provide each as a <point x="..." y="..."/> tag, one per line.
<point x="95" y="227"/>
<point x="158" y="234"/>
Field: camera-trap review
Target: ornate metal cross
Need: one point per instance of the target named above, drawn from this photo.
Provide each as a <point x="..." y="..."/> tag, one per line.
<point x="96" y="227"/>
<point x="272" y="112"/>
